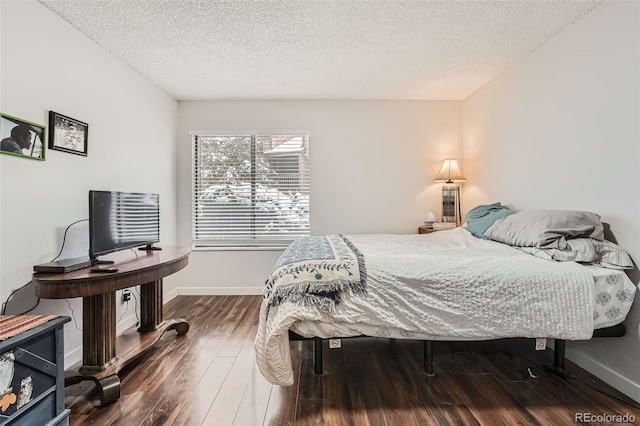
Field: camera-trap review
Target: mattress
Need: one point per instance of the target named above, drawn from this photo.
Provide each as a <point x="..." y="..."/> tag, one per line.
<point x="613" y="296"/>
<point x="450" y="285"/>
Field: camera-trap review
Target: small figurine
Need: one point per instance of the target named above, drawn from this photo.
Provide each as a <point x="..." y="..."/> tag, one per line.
<point x="26" y="389"/>
<point x="7" y="397"/>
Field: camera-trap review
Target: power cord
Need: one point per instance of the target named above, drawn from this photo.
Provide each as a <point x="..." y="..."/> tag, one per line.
<point x="135" y="306"/>
<point x="4" y="304"/>
<point x="64" y="238"/>
<point x="533" y="376"/>
<point x="35" y="306"/>
<point x="125" y="311"/>
<point x="530" y="372"/>
<point x="73" y="315"/>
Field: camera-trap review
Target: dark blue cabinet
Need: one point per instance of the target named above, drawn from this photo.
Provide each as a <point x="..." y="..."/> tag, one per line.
<point x="38" y="356"/>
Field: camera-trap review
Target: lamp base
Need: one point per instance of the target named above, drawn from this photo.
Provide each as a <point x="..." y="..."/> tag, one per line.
<point x="450" y="203"/>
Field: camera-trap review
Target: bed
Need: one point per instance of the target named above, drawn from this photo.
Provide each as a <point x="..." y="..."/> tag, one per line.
<point x="448" y="285"/>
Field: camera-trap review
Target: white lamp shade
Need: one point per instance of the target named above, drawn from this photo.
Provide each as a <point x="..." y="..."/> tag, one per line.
<point x="430" y="217"/>
<point x="450" y="172"/>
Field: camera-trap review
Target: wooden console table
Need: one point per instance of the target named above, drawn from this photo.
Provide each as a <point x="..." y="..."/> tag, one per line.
<point x="100" y="362"/>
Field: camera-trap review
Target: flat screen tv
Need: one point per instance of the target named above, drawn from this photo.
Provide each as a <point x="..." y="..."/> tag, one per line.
<point x="122" y="220"/>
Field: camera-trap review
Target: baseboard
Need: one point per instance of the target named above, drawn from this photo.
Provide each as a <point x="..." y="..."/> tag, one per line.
<point x="126" y="323"/>
<point x="621" y="383"/>
<point x="73" y="357"/>
<point x="170" y="295"/>
<point x="219" y="291"/>
<point x="211" y="291"/>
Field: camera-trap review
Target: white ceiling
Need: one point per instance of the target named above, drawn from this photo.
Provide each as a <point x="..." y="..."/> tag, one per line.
<point x="320" y="49"/>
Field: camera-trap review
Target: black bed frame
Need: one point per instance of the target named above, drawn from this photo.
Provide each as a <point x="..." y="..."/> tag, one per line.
<point x="557" y="368"/>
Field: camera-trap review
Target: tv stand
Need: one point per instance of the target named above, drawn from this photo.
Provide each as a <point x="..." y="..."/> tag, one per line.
<point x="149" y="247"/>
<point x="101" y="363"/>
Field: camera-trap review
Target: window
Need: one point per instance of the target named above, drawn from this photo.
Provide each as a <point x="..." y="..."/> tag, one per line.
<point x="250" y="190"/>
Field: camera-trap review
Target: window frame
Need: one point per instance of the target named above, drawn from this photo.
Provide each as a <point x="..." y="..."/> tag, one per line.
<point x="246" y="244"/>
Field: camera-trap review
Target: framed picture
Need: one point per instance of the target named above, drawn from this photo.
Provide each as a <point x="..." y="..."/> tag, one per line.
<point x="22" y="138"/>
<point x="67" y="134"/>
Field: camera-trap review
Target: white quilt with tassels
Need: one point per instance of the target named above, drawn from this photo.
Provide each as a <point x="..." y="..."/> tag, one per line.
<point x="315" y="271"/>
<point x="446" y="285"/>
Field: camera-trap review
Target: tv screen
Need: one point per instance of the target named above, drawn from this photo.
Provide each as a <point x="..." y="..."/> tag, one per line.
<point x="122" y="220"/>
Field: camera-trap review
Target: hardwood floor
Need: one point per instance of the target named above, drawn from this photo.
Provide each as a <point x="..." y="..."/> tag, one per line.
<point x="209" y="377"/>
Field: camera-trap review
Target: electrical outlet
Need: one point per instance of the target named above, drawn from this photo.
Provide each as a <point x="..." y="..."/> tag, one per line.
<point x="541" y="344"/>
<point x="335" y="343"/>
<point x="126" y="295"/>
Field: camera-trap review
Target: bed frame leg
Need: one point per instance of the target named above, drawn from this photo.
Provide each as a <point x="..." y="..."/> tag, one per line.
<point x="317" y="356"/>
<point x="428" y="358"/>
<point x="558" y="360"/>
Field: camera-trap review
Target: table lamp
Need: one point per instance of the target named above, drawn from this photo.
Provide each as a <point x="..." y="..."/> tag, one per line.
<point x="449" y="174"/>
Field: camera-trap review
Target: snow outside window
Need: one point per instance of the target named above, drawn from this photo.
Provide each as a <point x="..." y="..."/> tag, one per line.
<point x="250" y="190"/>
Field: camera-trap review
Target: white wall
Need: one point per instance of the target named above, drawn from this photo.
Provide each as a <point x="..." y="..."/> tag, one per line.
<point x="48" y="65"/>
<point x="561" y="130"/>
<point x="558" y="130"/>
<point x="372" y="170"/>
<point x="2" y="292"/>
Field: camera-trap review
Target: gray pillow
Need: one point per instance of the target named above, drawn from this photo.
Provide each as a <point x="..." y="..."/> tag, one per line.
<point x="582" y="250"/>
<point x="546" y="228"/>
<point x="613" y="256"/>
<point x="586" y="250"/>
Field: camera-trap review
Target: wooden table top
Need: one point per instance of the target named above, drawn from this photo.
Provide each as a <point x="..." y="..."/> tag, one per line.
<point x="134" y="268"/>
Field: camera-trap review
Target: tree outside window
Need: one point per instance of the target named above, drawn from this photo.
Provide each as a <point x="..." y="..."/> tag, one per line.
<point x="250" y="190"/>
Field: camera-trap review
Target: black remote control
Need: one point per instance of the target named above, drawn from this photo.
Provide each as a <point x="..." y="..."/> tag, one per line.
<point x="107" y="270"/>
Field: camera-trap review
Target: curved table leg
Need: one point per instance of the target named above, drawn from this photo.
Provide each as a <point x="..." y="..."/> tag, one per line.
<point x="108" y="386"/>
<point x="180" y="325"/>
<point x="108" y="389"/>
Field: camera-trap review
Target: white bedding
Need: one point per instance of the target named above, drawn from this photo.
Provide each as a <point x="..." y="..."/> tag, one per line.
<point x="613" y="294"/>
<point x="447" y="285"/>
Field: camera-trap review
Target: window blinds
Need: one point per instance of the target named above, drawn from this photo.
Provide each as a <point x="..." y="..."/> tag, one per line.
<point x="250" y="191"/>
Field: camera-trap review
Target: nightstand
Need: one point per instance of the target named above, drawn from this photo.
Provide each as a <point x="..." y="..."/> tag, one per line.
<point x="425" y="230"/>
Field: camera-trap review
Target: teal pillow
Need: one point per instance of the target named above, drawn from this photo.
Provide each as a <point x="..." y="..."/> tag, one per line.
<point x="480" y="218"/>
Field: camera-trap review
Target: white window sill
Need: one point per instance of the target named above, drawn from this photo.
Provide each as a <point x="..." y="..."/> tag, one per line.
<point x="232" y="248"/>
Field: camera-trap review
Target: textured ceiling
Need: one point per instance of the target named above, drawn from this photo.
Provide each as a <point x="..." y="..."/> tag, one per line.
<point x="321" y="49"/>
